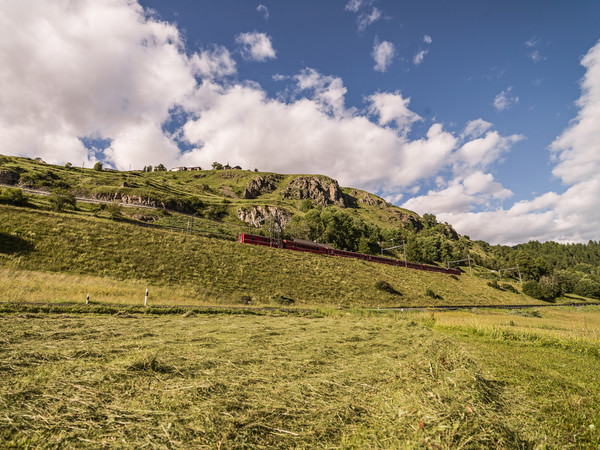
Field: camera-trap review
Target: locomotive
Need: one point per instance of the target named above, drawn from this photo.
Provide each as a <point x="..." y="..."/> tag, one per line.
<point x="301" y="245"/>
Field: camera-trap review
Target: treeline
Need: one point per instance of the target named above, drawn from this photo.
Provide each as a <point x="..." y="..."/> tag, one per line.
<point x="432" y="243"/>
<point x="549" y="269"/>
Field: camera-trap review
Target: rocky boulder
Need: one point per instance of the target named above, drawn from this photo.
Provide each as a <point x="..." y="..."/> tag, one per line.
<point x="261" y="185"/>
<point x="252" y="215"/>
<point x="8" y="177"/>
<point x="323" y="191"/>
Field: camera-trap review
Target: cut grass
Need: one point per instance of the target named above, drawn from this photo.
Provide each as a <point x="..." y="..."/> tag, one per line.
<point x="249" y="381"/>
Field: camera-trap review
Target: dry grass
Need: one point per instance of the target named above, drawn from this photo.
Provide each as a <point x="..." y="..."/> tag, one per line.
<point x="263" y="382"/>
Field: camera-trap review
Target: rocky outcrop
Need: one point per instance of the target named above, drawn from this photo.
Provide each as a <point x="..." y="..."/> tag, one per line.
<point x="173" y="204"/>
<point x="8" y="177"/>
<point x="405" y="220"/>
<point x="369" y="199"/>
<point x="254" y="215"/>
<point x="261" y="185"/>
<point x="323" y="191"/>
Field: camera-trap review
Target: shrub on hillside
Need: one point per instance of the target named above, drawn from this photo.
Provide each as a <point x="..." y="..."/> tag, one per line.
<point x="433" y="295"/>
<point x="12" y="196"/>
<point x="510" y="288"/>
<point x="587" y="287"/>
<point x="494" y="284"/>
<point x="550" y="288"/>
<point x="532" y="289"/>
<point x="386" y="287"/>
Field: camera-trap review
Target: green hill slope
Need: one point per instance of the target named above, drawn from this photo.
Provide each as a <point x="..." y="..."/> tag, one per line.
<point x="213" y="270"/>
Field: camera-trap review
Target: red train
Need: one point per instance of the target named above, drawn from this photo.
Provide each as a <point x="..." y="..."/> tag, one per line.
<point x="322" y="249"/>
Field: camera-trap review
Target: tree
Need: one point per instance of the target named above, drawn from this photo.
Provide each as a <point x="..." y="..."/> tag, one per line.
<point x="217" y="166"/>
<point x="98" y="166"/>
<point x="160" y="168"/>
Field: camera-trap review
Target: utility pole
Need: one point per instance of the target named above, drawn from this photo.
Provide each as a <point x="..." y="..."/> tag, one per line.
<point x="468" y="258"/>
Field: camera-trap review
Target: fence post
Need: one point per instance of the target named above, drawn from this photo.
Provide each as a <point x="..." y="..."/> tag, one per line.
<point x="146" y="298"/>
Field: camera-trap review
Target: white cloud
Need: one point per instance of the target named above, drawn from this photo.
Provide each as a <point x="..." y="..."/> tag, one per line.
<point x="366" y="19"/>
<point x="256" y="46"/>
<point x="328" y="91"/>
<point x="215" y="63"/>
<point x="392" y="107"/>
<point x="577" y="149"/>
<point x="536" y="56"/>
<point x="263" y="10"/>
<point x="418" y="59"/>
<point x="505" y="100"/>
<point x="483" y="151"/>
<point x="85" y="69"/>
<point x="355" y="5"/>
<point x="427" y="39"/>
<point x="383" y="54"/>
<point x="476" y="128"/>
<point x="571" y="216"/>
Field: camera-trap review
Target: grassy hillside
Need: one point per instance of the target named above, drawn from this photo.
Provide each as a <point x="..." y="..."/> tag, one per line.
<point x="200" y="268"/>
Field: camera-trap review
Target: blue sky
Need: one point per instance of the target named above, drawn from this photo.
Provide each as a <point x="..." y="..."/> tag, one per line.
<point x="480" y="112"/>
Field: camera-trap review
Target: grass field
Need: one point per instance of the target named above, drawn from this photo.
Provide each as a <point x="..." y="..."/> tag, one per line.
<point x="334" y="380"/>
<point x="41" y="249"/>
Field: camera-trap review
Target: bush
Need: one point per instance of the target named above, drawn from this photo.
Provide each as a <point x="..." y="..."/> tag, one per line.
<point x="283" y="300"/>
<point x="12" y="196"/>
<point x="433" y="295"/>
<point x="532" y="289"/>
<point x="587" y="287"/>
<point x="509" y="288"/>
<point x="386" y="287"/>
<point x="98" y="166"/>
<point x="494" y="284"/>
<point x="550" y="288"/>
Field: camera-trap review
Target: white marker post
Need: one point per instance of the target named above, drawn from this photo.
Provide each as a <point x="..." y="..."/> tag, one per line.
<point x="87" y="299"/>
<point x="146" y="298"/>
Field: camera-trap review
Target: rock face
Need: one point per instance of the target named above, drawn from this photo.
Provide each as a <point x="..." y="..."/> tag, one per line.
<point x="324" y="191"/>
<point x="406" y="220"/>
<point x="252" y="215"/>
<point x="261" y="185"/>
<point x="172" y="204"/>
<point x="369" y="199"/>
<point x="8" y="177"/>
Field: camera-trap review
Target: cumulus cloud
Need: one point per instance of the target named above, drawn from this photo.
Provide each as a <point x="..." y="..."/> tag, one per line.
<point x="215" y="63"/>
<point x="327" y="91"/>
<point x="86" y="69"/>
<point x="263" y="10"/>
<point x="571" y="216"/>
<point x="577" y="149"/>
<point x="418" y="59"/>
<point x="427" y="39"/>
<point x="383" y="54"/>
<point x="255" y="46"/>
<point x="393" y="108"/>
<point x="505" y="100"/>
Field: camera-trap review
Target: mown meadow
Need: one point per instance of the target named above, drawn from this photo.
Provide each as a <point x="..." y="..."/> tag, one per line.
<point x="328" y="379"/>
